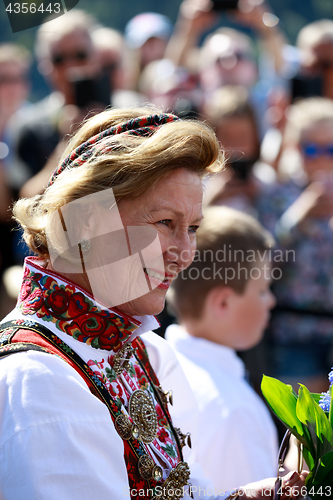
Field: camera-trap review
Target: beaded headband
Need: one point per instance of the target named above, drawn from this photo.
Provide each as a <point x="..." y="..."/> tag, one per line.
<point x="142" y="126"/>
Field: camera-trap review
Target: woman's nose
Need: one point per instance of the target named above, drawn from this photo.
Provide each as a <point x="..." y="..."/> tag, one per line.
<point x="184" y="247"/>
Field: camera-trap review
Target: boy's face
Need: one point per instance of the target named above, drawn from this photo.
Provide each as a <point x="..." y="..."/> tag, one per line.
<point x="316" y="147"/>
<point x="250" y="311"/>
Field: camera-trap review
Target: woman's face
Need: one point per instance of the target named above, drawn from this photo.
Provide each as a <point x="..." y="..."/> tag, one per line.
<point x="173" y="209"/>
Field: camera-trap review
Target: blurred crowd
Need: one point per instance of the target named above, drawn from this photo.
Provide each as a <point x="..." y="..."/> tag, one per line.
<point x="271" y="105"/>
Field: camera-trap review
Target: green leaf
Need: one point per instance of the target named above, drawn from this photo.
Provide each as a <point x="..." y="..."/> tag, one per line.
<point x="169" y="450"/>
<point x="308" y="458"/>
<point x="324" y="475"/>
<point x="282" y="400"/>
<point x="95" y="343"/>
<point x="111" y="374"/>
<point x="131" y="370"/>
<point x="314" y="418"/>
<point x="316" y="397"/>
<point x="322" y="478"/>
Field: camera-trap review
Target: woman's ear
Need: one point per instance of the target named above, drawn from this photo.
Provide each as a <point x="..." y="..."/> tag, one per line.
<point x="88" y="225"/>
<point x="96" y="214"/>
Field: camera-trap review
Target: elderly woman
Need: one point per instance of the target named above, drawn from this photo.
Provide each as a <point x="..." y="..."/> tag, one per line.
<point x="82" y="413"/>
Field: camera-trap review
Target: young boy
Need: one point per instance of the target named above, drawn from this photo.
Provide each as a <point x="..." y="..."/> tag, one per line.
<point x="222" y="302"/>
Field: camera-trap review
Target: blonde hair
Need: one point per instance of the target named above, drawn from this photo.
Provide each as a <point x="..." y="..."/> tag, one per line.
<point x="314" y="33"/>
<point x="228" y="101"/>
<point x="107" y="38"/>
<point x="305" y="113"/>
<point x="10" y="52"/>
<point x="132" y="167"/>
<point x="53" y="30"/>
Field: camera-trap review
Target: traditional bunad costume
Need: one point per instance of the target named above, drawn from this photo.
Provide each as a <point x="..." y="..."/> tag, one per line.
<point x="58" y="317"/>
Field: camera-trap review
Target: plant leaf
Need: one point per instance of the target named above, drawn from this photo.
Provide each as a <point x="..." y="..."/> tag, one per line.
<point x="323" y="478"/>
<point x="318" y="425"/>
<point x="316" y="396"/>
<point x="282" y="400"/>
<point x="308" y="458"/>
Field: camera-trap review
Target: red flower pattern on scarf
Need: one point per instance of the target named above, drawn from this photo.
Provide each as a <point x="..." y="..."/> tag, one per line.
<point x="73" y="312"/>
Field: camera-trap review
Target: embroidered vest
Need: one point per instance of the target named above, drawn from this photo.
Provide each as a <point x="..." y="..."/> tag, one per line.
<point x="143" y="473"/>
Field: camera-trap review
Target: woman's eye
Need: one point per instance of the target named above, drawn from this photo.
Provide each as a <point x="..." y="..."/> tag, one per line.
<point x="193" y="229"/>
<point x="165" y="222"/>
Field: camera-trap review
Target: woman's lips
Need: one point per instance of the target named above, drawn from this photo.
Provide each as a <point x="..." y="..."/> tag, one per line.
<point x="158" y="280"/>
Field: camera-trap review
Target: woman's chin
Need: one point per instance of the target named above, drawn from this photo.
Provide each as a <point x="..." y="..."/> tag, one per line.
<point x="150" y="304"/>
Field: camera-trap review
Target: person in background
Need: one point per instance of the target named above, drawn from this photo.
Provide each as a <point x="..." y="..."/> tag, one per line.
<point x="15" y="61"/>
<point x="315" y="61"/>
<point x="230" y="112"/>
<point x="146" y="36"/>
<point x="299" y="211"/>
<point x="110" y="48"/>
<point x="222" y="303"/>
<point x="172" y="87"/>
<point x="65" y="52"/>
<point x="227" y="56"/>
<point x="307" y="69"/>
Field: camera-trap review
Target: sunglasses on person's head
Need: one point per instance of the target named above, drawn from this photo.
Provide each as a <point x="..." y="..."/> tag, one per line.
<point x="312" y="150"/>
<point x="80" y="55"/>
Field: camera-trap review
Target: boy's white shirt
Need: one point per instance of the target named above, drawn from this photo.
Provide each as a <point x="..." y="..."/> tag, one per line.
<point x="235" y="438"/>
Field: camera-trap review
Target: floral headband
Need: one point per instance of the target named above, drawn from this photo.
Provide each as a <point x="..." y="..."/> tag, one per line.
<point x="142" y="126"/>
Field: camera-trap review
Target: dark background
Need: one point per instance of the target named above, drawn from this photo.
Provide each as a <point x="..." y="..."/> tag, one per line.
<point x="293" y="14"/>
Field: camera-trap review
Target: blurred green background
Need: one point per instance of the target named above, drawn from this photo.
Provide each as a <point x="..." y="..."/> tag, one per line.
<point x="293" y="14"/>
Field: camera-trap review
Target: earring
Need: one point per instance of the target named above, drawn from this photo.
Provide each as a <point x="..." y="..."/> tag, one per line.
<point x="84" y="245"/>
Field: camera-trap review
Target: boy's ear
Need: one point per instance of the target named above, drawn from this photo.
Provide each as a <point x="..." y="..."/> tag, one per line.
<point x="219" y="300"/>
